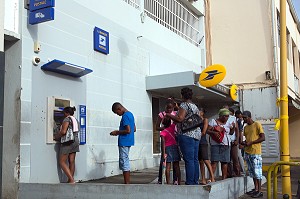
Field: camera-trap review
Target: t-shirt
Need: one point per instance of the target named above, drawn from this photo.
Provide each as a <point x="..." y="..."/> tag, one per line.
<point x="251" y="132"/>
<point x="226" y="138"/>
<point x="229" y="122"/>
<point x="126" y="139"/>
<point x="169" y="135"/>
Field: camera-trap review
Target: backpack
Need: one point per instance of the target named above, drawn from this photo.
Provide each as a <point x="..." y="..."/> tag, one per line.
<point x="192" y="122"/>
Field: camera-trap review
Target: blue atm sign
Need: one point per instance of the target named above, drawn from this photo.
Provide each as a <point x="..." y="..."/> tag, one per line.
<point x="39" y="4"/>
<point x="39" y="16"/>
<point x="101" y="40"/>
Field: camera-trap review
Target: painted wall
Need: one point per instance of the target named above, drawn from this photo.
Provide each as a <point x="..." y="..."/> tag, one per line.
<point x="11" y="120"/>
<point x="294" y="126"/>
<point x="119" y="76"/>
<point x="242" y="39"/>
<point x="11" y="16"/>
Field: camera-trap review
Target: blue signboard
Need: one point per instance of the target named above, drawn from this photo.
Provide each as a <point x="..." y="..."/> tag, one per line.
<point x="43" y="15"/>
<point x="39" y="4"/>
<point x="101" y="40"/>
<point x="82" y="121"/>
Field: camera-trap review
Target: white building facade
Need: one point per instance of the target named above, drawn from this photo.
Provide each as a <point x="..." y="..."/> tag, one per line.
<point x="146" y="39"/>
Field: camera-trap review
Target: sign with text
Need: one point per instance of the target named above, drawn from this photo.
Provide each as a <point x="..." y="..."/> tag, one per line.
<point x="40" y="4"/>
<point x="39" y="16"/>
<point x="101" y="40"/>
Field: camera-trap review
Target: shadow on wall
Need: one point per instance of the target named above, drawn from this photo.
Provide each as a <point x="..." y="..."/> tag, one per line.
<point x="100" y="166"/>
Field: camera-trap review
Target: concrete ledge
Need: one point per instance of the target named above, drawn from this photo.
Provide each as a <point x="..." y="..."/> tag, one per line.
<point x="225" y="189"/>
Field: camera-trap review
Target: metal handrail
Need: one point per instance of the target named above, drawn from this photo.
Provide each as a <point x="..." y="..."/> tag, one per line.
<point x="274" y="167"/>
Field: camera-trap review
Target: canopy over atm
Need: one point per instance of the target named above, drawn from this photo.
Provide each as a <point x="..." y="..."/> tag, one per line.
<point x="171" y="84"/>
<point x="65" y="68"/>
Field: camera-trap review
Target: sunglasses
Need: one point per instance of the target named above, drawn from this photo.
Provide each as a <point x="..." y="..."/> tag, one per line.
<point x="225" y="115"/>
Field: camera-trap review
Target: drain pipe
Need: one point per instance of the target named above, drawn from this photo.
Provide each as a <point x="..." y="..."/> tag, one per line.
<point x="275" y="50"/>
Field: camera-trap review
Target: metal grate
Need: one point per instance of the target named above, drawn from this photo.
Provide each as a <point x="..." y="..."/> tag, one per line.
<point x="175" y="16"/>
<point x="133" y="3"/>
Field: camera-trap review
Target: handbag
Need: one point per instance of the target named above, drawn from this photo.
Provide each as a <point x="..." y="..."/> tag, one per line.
<point x="219" y="136"/>
<point x="192" y="122"/>
<point x="68" y="138"/>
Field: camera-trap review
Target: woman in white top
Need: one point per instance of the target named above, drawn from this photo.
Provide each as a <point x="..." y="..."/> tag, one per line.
<point x="220" y="152"/>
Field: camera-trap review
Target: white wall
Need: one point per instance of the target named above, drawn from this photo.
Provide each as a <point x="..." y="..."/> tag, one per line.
<point x="242" y="39"/>
<point x="119" y="76"/>
<point x="11" y="16"/>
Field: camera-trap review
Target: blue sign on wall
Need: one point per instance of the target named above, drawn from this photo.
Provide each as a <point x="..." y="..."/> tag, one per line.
<point x="39" y="4"/>
<point x="101" y="40"/>
<point x="43" y="15"/>
<point x="82" y="121"/>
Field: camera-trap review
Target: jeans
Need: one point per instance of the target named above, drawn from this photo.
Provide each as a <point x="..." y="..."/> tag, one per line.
<point x="189" y="148"/>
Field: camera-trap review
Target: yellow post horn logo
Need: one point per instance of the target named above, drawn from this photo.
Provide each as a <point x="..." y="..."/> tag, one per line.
<point x="212" y="75"/>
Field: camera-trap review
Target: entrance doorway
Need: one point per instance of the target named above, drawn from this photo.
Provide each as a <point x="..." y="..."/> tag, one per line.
<point x="156" y="137"/>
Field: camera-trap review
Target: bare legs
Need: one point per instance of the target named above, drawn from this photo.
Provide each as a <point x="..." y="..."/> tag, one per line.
<point x="223" y="168"/>
<point x="176" y="169"/>
<point x="210" y="170"/>
<point x="69" y="170"/>
<point x="126" y="175"/>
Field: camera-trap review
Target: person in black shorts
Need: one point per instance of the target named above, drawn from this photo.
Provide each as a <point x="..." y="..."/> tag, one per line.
<point x="203" y="151"/>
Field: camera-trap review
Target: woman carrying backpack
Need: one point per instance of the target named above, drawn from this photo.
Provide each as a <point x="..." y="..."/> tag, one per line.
<point x="219" y="141"/>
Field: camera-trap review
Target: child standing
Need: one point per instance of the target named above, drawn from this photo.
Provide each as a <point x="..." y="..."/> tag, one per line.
<point x="161" y="124"/>
<point x="170" y="151"/>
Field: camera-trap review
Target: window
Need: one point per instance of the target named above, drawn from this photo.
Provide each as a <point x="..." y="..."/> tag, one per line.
<point x="288" y="51"/>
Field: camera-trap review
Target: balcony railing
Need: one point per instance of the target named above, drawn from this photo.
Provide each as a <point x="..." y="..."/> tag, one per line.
<point x="134" y="3"/>
<point x="174" y="15"/>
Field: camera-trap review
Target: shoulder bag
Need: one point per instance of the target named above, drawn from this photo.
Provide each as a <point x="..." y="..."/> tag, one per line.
<point x="69" y="136"/>
<point x="191" y="122"/>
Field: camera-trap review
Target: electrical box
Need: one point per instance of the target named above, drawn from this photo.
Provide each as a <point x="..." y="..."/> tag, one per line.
<point x="55" y="115"/>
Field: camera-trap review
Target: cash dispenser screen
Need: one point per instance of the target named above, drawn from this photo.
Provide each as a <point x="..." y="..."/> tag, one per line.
<point x="55" y="115"/>
<point x="58" y="117"/>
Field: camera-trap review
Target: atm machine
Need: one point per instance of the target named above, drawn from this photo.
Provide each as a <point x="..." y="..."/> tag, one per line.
<point x="56" y="116"/>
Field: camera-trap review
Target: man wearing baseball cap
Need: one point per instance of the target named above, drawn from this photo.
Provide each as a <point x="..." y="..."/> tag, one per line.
<point x="254" y="134"/>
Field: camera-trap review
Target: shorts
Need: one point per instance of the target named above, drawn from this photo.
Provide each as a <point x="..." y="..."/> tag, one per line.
<point x="254" y="163"/>
<point x="173" y="153"/>
<point x="67" y="148"/>
<point x="220" y="153"/>
<point x="203" y="152"/>
<point x="124" y="163"/>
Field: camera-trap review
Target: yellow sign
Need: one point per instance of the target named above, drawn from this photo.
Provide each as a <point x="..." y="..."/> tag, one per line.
<point x="212" y="75"/>
<point x="233" y="92"/>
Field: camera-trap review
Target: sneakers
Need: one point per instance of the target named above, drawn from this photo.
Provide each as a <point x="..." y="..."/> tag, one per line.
<point x="257" y="195"/>
<point x="175" y="182"/>
<point x="251" y="192"/>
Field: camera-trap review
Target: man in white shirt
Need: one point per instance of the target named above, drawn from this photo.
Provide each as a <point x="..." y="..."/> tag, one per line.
<point x="234" y="165"/>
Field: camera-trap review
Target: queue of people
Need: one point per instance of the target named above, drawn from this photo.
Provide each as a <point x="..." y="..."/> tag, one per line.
<point x="228" y="136"/>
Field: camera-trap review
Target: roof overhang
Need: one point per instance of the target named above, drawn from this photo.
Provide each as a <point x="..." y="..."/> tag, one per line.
<point x="170" y="85"/>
